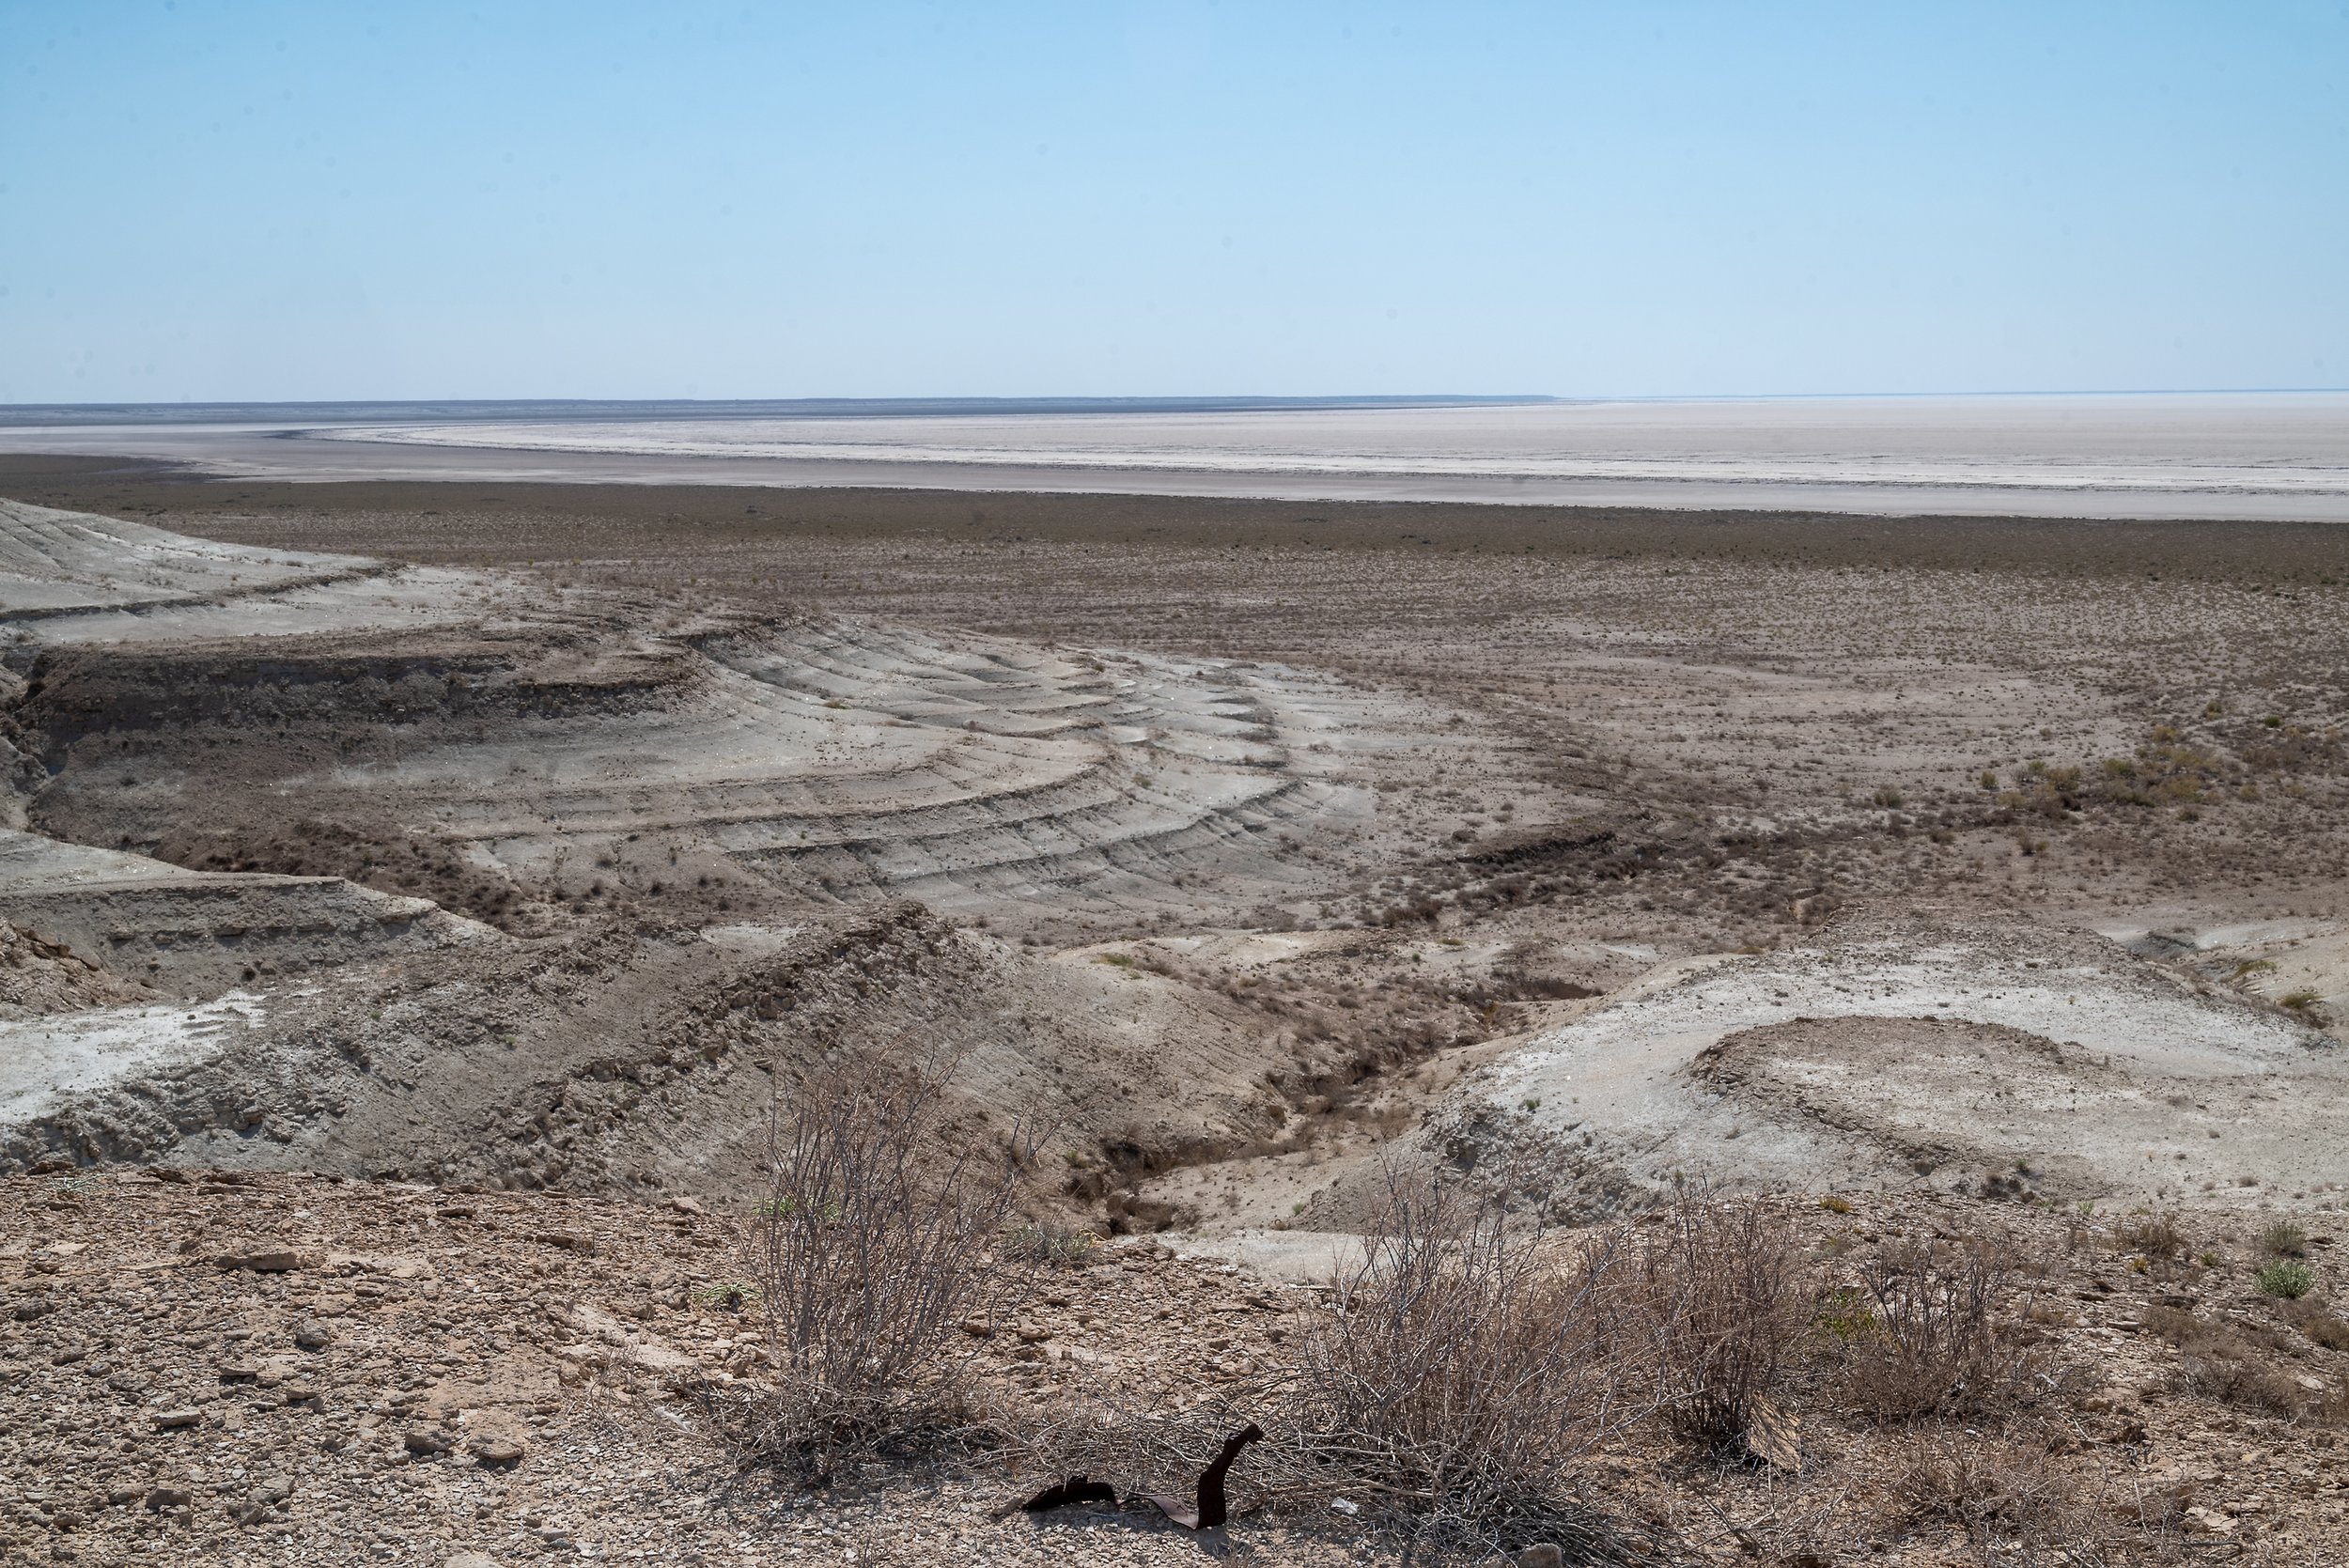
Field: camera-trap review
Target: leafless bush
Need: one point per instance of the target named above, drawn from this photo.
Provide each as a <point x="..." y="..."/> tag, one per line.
<point x="1776" y="1516"/>
<point x="2013" y="1505"/>
<point x="2219" y="1362"/>
<point x="1945" y="1334"/>
<point x="2239" y="1363"/>
<point x="872" y="1243"/>
<point x="2284" y="1238"/>
<point x="1722" y="1289"/>
<point x="1471" y="1362"/>
<point x="2231" y="1370"/>
<point x="2157" y="1236"/>
<point x="2320" y="1324"/>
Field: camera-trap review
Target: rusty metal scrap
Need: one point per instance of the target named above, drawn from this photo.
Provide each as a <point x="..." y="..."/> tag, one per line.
<point x="1067" y="1493"/>
<point x="1209" y="1507"/>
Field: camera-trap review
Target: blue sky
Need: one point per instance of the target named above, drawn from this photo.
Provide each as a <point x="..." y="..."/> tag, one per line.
<point x="202" y="199"/>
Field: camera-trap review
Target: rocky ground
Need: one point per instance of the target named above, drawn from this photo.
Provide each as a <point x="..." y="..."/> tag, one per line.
<point x="223" y="1369"/>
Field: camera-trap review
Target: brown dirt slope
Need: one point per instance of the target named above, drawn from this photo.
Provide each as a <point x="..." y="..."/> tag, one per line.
<point x="39" y="976"/>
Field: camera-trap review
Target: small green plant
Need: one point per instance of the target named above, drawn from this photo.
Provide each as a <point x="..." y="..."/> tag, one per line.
<point x="2301" y="999"/>
<point x="2286" y="1279"/>
<point x="727" y="1297"/>
<point x="1053" y="1245"/>
<point x="1834" y="1205"/>
<point x="1844" y="1312"/>
<point x="1887" y="796"/>
<point x="2285" y="1239"/>
<point x="1988" y="779"/>
<point x="2250" y="966"/>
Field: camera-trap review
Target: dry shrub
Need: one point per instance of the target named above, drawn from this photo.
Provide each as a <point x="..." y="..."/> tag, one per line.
<point x="2013" y="1505"/>
<point x="1947" y="1335"/>
<point x="2234" y="1363"/>
<point x="1049" y="1244"/>
<point x="872" y="1245"/>
<point x="2175" y="1324"/>
<point x="1471" y="1362"/>
<point x="2320" y="1324"/>
<point x="2220" y="1364"/>
<point x="2229" y="1371"/>
<point x="2157" y="1235"/>
<point x="1725" y="1292"/>
<point x="2283" y="1238"/>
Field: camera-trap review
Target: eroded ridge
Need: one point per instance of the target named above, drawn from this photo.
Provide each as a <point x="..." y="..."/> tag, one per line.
<point x="378" y="868"/>
<point x="562" y="746"/>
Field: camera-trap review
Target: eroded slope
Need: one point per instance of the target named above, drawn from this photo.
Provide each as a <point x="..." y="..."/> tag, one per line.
<point x="466" y="876"/>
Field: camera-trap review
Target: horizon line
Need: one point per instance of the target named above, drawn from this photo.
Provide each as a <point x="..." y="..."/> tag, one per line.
<point x="348" y="408"/>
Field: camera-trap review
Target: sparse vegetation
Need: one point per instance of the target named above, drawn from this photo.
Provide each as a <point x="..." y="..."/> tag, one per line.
<point x="1469" y="1366"/>
<point x="2284" y="1238"/>
<point x="873" y="1242"/>
<point x="2321" y="1326"/>
<point x="1615" y="839"/>
<point x="2157" y="1235"/>
<point x="1051" y="1243"/>
<point x="2231" y="1361"/>
<point x="2286" y="1278"/>
<point x="1725" y="1297"/>
<point x="2001" y="1492"/>
<point x="1947" y="1336"/>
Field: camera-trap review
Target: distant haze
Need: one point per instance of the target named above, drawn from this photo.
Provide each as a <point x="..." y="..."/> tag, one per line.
<point x="2204" y="454"/>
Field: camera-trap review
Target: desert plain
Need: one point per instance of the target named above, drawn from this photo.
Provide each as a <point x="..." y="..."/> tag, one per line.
<point x="422" y="900"/>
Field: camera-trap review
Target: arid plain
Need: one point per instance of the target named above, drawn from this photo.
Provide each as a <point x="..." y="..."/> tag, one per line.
<point x="1931" y="878"/>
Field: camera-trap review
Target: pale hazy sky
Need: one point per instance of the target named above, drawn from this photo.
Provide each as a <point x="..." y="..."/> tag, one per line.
<point x="207" y="199"/>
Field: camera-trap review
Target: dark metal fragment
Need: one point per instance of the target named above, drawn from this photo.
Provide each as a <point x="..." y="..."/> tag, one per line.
<point x="1065" y="1494"/>
<point x="1211" y="1508"/>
